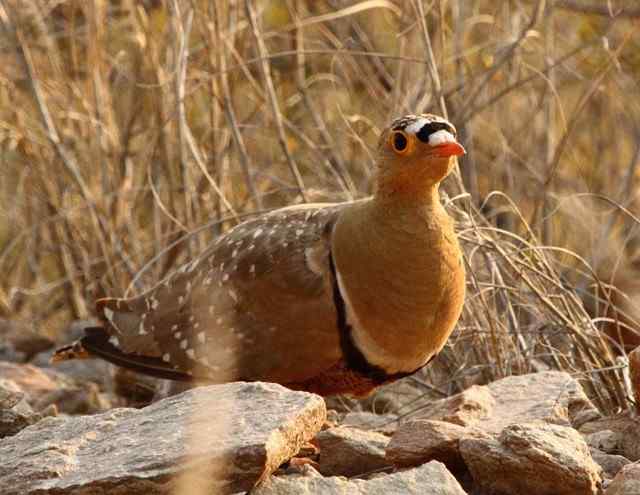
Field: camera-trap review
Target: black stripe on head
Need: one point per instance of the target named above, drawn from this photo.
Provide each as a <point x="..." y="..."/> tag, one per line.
<point x="428" y="129"/>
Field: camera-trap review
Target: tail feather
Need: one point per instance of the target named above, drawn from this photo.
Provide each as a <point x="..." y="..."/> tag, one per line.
<point x="96" y="344"/>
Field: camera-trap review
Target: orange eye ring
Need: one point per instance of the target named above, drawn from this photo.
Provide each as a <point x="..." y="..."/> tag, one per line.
<point x="400" y="142"/>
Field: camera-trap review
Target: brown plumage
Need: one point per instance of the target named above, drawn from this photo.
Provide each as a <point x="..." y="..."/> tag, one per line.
<point x="329" y="298"/>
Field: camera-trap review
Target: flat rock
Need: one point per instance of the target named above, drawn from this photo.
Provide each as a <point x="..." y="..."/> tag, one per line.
<point x="540" y="458"/>
<point x="20" y="341"/>
<point x="420" y="441"/>
<point x="15" y="412"/>
<point x="351" y="452"/>
<point x="611" y="464"/>
<point x="549" y="396"/>
<point x="368" y="421"/>
<point x="223" y="437"/>
<point x="47" y="387"/>
<point x="622" y="433"/>
<point x="429" y="479"/>
<point x="627" y="481"/>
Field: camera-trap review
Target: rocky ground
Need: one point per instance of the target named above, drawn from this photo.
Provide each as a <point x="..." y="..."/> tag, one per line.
<point x="65" y="431"/>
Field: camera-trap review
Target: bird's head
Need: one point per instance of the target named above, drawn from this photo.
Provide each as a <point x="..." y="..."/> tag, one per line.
<point x="415" y="154"/>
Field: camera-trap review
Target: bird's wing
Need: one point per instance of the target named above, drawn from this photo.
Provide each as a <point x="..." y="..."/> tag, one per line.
<point x="257" y="305"/>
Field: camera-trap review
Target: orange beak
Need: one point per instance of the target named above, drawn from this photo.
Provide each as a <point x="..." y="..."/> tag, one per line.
<point x="449" y="149"/>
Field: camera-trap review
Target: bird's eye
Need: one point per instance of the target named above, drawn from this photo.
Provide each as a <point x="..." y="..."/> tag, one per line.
<point x="399" y="142"/>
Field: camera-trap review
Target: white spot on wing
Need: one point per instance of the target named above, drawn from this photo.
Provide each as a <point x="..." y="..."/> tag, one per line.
<point x="191" y="353"/>
<point x="166" y="358"/>
<point x="113" y="340"/>
<point x="201" y="338"/>
<point x="257" y="233"/>
<point x="183" y="344"/>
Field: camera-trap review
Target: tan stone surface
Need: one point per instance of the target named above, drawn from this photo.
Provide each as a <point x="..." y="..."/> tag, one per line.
<point x="428" y="479"/>
<point x="540" y="458"/>
<point x="420" y="441"/>
<point x="348" y="451"/>
<point x="227" y="437"/>
<point x="626" y="482"/>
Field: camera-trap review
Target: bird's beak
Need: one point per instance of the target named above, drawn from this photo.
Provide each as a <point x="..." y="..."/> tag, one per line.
<point x="452" y="148"/>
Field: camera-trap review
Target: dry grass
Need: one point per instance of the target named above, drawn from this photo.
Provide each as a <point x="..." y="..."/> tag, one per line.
<point x="133" y="132"/>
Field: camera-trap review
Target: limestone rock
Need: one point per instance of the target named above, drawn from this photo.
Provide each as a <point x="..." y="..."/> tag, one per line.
<point x="351" y="452"/>
<point x="607" y="441"/>
<point x="429" y="479"/>
<point x="466" y="408"/>
<point x="627" y="481"/>
<point x="20" y="341"/>
<point x="544" y="459"/>
<point x="15" y="412"/>
<point x="368" y="421"/>
<point x="420" y="441"/>
<point x="550" y="396"/>
<point x="610" y="464"/>
<point x="46" y="387"/>
<point x="224" y="437"/>
<point x="625" y="430"/>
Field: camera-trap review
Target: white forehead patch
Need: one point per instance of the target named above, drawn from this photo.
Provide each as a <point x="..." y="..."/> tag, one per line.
<point x="415" y="126"/>
<point x="441" y="137"/>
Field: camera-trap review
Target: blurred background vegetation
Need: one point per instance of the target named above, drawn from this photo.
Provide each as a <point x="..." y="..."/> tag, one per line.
<point x="133" y="132"/>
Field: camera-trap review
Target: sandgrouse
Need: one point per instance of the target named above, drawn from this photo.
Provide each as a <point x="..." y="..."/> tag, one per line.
<point x="328" y="298"/>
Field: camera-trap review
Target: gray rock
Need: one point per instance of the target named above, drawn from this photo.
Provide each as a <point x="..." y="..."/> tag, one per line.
<point x="20" y="340"/>
<point x="368" y="421"/>
<point x="550" y="396"/>
<point x="351" y="452"/>
<point x="47" y="387"/>
<point x="15" y="412"/>
<point x="225" y="437"/>
<point x="544" y="459"/>
<point x="610" y="464"/>
<point x="428" y="479"/>
<point x="626" y="433"/>
<point x="420" y="441"/>
<point x="627" y="481"/>
<point x="607" y="441"/>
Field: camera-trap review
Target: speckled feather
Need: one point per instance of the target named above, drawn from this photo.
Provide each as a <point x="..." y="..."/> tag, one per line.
<point x="216" y="315"/>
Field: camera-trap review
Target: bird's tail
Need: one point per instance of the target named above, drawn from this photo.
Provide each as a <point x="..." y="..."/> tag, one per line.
<point x="97" y="343"/>
<point x="120" y="330"/>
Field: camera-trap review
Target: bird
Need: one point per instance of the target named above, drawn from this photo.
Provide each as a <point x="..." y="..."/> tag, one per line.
<point x="328" y="298"/>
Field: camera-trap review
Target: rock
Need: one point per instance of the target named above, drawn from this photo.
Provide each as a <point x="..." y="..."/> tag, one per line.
<point x="43" y="388"/>
<point x="368" y="421"/>
<point x="550" y="396"/>
<point x="545" y="459"/>
<point x="626" y="432"/>
<point x="466" y="408"/>
<point x="225" y="437"/>
<point x="420" y="441"/>
<point x="428" y="479"/>
<point x="607" y="441"/>
<point x="611" y="464"/>
<point x="15" y="412"/>
<point x="20" y="340"/>
<point x="627" y="481"/>
<point x="351" y="452"/>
